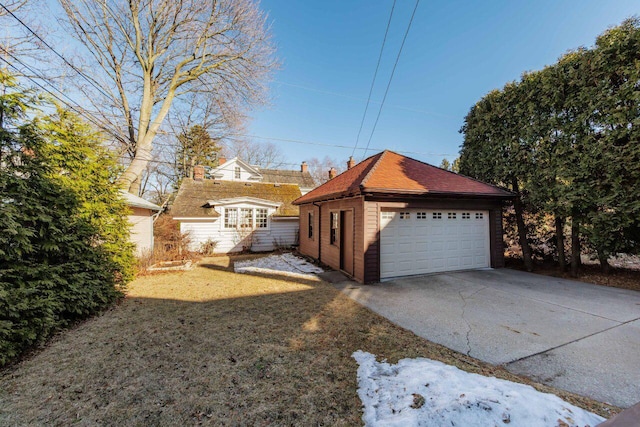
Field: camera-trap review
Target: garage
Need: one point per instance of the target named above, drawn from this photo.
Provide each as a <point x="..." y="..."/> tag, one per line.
<point x="420" y="241"/>
<point x="391" y="216"/>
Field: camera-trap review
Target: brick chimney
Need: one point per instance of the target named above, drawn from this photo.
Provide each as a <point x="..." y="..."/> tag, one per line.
<point x="198" y="173"/>
<point x="332" y="173"/>
<point x="222" y="160"/>
<point x="351" y="163"/>
<point x="304" y="168"/>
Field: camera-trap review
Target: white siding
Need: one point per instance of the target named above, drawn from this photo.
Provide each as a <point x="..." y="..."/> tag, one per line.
<point x="280" y="233"/>
<point x="227" y="170"/>
<point x="141" y="232"/>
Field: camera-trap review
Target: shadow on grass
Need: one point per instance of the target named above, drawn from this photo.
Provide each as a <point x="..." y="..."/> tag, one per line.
<point x="280" y="354"/>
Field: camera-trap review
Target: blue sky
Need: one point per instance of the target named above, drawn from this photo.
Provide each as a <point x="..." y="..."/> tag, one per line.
<point x="456" y="52"/>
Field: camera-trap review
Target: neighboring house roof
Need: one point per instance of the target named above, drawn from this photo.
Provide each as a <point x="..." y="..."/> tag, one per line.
<point x="138" y="202"/>
<point x="192" y="200"/>
<point x="392" y="173"/>
<point x="302" y="179"/>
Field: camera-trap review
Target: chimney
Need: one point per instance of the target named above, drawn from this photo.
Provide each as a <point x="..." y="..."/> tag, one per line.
<point x="304" y="168"/>
<point x="221" y="160"/>
<point x="351" y="163"/>
<point x="332" y="173"/>
<point x="198" y="173"/>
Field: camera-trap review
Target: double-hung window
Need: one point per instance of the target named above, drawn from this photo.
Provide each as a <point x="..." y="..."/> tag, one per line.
<point x="230" y="218"/>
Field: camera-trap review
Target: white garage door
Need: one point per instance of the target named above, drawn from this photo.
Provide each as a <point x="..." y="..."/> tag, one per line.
<point x="419" y="241"/>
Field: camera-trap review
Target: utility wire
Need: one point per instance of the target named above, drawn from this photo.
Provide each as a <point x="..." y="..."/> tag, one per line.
<point x="391" y="78"/>
<point x="59" y="55"/>
<point x="373" y="82"/>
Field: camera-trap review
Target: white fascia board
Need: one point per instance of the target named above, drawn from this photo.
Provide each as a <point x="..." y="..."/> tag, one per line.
<point x="195" y="218"/>
<point x="238" y="200"/>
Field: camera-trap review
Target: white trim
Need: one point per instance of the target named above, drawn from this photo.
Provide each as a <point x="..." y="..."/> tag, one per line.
<point x="237" y="200"/>
<point x="194" y="218"/>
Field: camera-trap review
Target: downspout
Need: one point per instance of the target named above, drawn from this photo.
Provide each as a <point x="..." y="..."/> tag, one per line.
<point x="319" y="231"/>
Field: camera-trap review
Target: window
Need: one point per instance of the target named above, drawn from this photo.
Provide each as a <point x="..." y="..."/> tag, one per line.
<point x="334" y="228"/>
<point x="451" y="215"/>
<point x="310" y="217"/>
<point x="421" y="215"/>
<point x="405" y="215"/>
<point x="261" y="218"/>
<point x="387" y="215"/>
<point x="437" y="215"/>
<point x="237" y="172"/>
<point x="230" y="218"/>
<point x="466" y="215"/>
<point x="479" y="215"/>
<point x="246" y="218"/>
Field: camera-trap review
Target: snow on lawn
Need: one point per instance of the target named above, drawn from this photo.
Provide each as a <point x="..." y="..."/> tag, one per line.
<point x="424" y="392"/>
<point x="287" y="264"/>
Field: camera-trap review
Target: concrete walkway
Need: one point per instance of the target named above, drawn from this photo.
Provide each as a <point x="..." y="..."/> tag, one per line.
<point x="572" y="335"/>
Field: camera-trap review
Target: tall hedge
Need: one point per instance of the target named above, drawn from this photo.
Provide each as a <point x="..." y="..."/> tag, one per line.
<point x="64" y="249"/>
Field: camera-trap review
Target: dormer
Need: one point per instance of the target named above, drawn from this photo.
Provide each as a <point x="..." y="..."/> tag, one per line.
<point x="235" y="170"/>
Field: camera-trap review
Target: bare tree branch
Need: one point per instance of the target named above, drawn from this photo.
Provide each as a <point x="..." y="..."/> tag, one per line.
<point x="148" y="54"/>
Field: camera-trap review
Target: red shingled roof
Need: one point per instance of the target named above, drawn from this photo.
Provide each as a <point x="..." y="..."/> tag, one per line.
<point x="392" y="173"/>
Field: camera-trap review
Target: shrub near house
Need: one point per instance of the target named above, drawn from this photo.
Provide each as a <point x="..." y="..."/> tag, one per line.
<point x="64" y="251"/>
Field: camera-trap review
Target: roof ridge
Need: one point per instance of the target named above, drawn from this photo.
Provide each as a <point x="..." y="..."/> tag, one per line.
<point x="373" y="168"/>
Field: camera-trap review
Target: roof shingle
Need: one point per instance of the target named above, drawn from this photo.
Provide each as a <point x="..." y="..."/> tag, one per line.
<point x="392" y="173"/>
<point x="193" y="195"/>
<point x="303" y="179"/>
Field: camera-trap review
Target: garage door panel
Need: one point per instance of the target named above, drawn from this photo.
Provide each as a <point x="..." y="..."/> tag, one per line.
<point x="420" y="241"/>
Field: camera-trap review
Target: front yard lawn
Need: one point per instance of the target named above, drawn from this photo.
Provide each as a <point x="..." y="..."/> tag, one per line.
<point x="209" y="346"/>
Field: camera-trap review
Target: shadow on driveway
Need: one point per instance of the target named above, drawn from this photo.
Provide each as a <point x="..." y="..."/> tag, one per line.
<point x="576" y="336"/>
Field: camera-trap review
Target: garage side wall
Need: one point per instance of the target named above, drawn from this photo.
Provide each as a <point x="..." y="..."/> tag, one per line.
<point x="309" y="245"/>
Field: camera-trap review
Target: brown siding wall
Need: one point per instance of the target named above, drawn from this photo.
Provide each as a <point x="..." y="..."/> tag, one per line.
<point x="497" y="242"/>
<point x="309" y="246"/>
<point x="330" y="253"/>
<point x="371" y="242"/>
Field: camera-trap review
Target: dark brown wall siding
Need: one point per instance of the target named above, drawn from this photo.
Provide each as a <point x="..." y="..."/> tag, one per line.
<point x="497" y="241"/>
<point x="308" y="246"/>
<point x="371" y="242"/>
<point x="330" y="254"/>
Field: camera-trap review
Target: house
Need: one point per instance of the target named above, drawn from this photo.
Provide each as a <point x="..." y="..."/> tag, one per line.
<point x="238" y="170"/>
<point x="141" y="220"/>
<point x="392" y="216"/>
<point x="241" y="213"/>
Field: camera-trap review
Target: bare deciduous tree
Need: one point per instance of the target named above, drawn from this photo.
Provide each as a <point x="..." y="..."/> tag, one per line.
<point x="267" y="155"/>
<point x="146" y="55"/>
<point x="319" y="169"/>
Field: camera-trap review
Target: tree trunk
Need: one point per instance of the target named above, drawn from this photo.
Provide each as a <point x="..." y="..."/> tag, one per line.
<point x="604" y="262"/>
<point x="522" y="231"/>
<point x="562" y="263"/>
<point x="135" y="186"/>
<point x="575" y="245"/>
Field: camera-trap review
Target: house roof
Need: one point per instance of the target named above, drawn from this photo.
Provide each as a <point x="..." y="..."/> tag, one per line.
<point x="193" y="196"/>
<point x="392" y="173"/>
<point x="302" y="179"/>
<point x="138" y="202"/>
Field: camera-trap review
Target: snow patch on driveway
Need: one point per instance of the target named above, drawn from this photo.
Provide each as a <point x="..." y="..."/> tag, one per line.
<point x="424" y="392"/>
<point x="287" y="264"/>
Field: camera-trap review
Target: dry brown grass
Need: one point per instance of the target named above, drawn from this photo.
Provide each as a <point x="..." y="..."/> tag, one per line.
<point x="212" y="347"/>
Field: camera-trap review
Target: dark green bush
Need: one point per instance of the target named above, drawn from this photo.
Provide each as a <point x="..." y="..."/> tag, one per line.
<point x="64" y="251"/>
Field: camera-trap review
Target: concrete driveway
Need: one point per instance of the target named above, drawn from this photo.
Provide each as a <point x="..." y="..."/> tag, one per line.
<point x="572" y="335"/>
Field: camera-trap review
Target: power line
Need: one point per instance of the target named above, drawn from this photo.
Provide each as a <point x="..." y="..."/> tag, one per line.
<point x="384" y="98"/>
<point x="73" y="67"/>
<point x="373" y="82"/>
